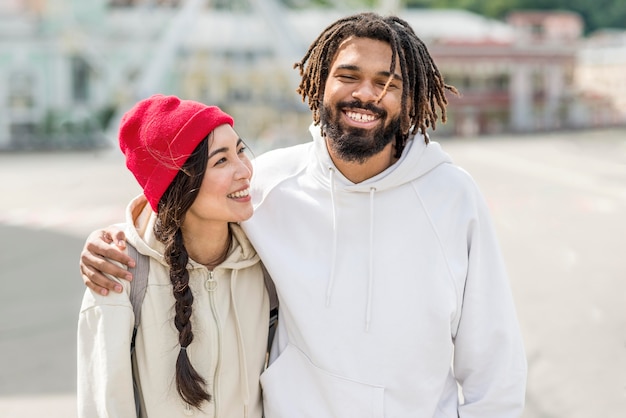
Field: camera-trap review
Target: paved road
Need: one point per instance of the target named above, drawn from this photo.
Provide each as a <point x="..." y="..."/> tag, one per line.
<point x="558" y="201"/>
<point x="49" y="203"/>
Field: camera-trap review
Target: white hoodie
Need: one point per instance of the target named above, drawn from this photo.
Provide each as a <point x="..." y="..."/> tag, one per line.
<point x="392" y="290"/>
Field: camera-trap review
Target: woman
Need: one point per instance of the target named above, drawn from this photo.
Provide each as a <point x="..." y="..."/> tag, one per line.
<point x="201" y="343"/>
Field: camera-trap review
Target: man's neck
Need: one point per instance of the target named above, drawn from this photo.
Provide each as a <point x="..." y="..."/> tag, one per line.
<point x="358" y="172"/>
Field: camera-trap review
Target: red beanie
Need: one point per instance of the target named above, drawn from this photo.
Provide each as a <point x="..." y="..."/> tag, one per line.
<point x="158" y="135"/>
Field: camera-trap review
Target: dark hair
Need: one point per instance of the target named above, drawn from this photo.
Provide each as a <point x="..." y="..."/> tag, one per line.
<point x="422" y="83"/>
<point x="172" y="208"/>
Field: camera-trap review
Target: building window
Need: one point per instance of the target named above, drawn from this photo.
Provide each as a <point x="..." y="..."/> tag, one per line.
<point x="21" y="91"/>
<point x="135" y="3"/>
<point x="80" y="79"/>
<point x="500" y="82"/>
<point x="537" y="29"/>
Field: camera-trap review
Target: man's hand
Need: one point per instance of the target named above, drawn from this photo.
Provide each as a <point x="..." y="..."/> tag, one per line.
<point x="101" y="245"/>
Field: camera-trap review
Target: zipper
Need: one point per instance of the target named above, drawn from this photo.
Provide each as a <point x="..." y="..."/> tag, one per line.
<point x="211" y="286"/>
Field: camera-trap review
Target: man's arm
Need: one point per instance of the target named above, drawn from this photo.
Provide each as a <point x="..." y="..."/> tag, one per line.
<point x="489" y="356"/>
<point x="101" y="245"/>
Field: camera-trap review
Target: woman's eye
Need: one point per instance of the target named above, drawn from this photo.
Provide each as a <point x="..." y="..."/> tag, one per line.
<point x="220" y="161"/>
<point x="242" y="150"/>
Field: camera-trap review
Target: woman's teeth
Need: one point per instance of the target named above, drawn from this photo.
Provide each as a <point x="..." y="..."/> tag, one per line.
<point x="241" y="193"/>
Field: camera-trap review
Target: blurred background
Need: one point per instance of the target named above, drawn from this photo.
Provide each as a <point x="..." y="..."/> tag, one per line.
<point x="540" y="124"/>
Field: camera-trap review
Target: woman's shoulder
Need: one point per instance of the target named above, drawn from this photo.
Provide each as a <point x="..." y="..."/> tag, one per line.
<point x="92" y="299"/>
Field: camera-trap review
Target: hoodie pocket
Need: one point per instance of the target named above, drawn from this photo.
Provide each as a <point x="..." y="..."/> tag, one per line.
<point x="294" y="387"/>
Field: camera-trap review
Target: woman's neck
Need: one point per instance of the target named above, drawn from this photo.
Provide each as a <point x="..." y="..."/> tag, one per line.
<point x="208" y="245"/>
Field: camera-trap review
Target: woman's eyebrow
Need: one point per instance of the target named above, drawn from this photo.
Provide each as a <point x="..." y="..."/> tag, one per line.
<point x="217" y="151"/>
<point x="223" y="149"/>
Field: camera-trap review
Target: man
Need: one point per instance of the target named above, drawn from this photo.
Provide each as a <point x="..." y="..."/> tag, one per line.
<point x="392" y="287"/>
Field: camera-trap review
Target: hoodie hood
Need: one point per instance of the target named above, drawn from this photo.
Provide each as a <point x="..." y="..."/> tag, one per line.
<point x="417" y="159"/>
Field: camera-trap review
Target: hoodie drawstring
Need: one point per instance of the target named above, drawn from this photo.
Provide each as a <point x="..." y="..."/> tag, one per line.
<point x="370" y="279"/>
<point x="331" y="280"/>
<point x="243" y="381"/>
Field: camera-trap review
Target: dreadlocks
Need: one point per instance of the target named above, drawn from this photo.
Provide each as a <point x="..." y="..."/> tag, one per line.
<point x="423" y="88"/>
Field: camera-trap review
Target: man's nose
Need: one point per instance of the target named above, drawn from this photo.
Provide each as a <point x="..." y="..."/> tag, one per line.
<point x="366" y="92"/>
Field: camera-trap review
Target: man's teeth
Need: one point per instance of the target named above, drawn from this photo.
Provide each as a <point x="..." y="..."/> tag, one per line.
<point x="361" y="117"/>
<point x="241" y="193"/>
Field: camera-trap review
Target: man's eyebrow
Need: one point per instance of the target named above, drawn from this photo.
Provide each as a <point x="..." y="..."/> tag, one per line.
<point x="223" y="149"/>
<point x="387" y="74"/>
<point x="351" y="67"/>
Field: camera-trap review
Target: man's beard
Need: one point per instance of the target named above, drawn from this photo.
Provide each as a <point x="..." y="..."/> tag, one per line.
<point x="356" y="144"/>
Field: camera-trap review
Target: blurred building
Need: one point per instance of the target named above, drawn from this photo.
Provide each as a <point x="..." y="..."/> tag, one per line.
<point x="513" y="77"/>
<point x="69" y="68"/>
<point x="601" y="77"/>
<point x="51" y="94"/>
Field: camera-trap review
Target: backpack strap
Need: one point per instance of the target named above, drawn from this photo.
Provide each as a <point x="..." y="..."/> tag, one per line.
<point x="137" y="292"/>
<point x="138" y="285"/>
<point x="271" y="290"/>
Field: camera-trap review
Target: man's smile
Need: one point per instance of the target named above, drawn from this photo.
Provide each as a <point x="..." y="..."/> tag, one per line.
<point x="360" y="116"/>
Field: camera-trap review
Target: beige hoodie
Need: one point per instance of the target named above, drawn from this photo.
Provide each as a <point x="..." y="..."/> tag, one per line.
<point x="229" y="323"/>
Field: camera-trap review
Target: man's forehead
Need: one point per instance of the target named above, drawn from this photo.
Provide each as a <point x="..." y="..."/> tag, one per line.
<point x="375" y="53"/>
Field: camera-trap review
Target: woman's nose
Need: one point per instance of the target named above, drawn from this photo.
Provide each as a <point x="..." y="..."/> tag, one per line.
<point x="244" y="170"/>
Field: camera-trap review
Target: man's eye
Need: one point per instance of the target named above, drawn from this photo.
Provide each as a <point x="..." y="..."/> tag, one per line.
<point x="392" y="85"/>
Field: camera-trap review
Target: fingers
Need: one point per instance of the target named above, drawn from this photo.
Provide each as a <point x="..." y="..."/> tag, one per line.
<point x="108" y="243"/>
<point x="97" y="281"/>
<point x="101" y="247"/>
<point x="93" y="267"/>
<point x="105" y="236"/>
<point x="116" y="236"/>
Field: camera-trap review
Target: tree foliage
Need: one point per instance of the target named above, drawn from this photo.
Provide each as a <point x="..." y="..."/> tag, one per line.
<point x="596" y="14"/>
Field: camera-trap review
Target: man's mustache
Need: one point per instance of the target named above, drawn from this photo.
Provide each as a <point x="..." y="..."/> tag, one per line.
<point x="357" y="104"/>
